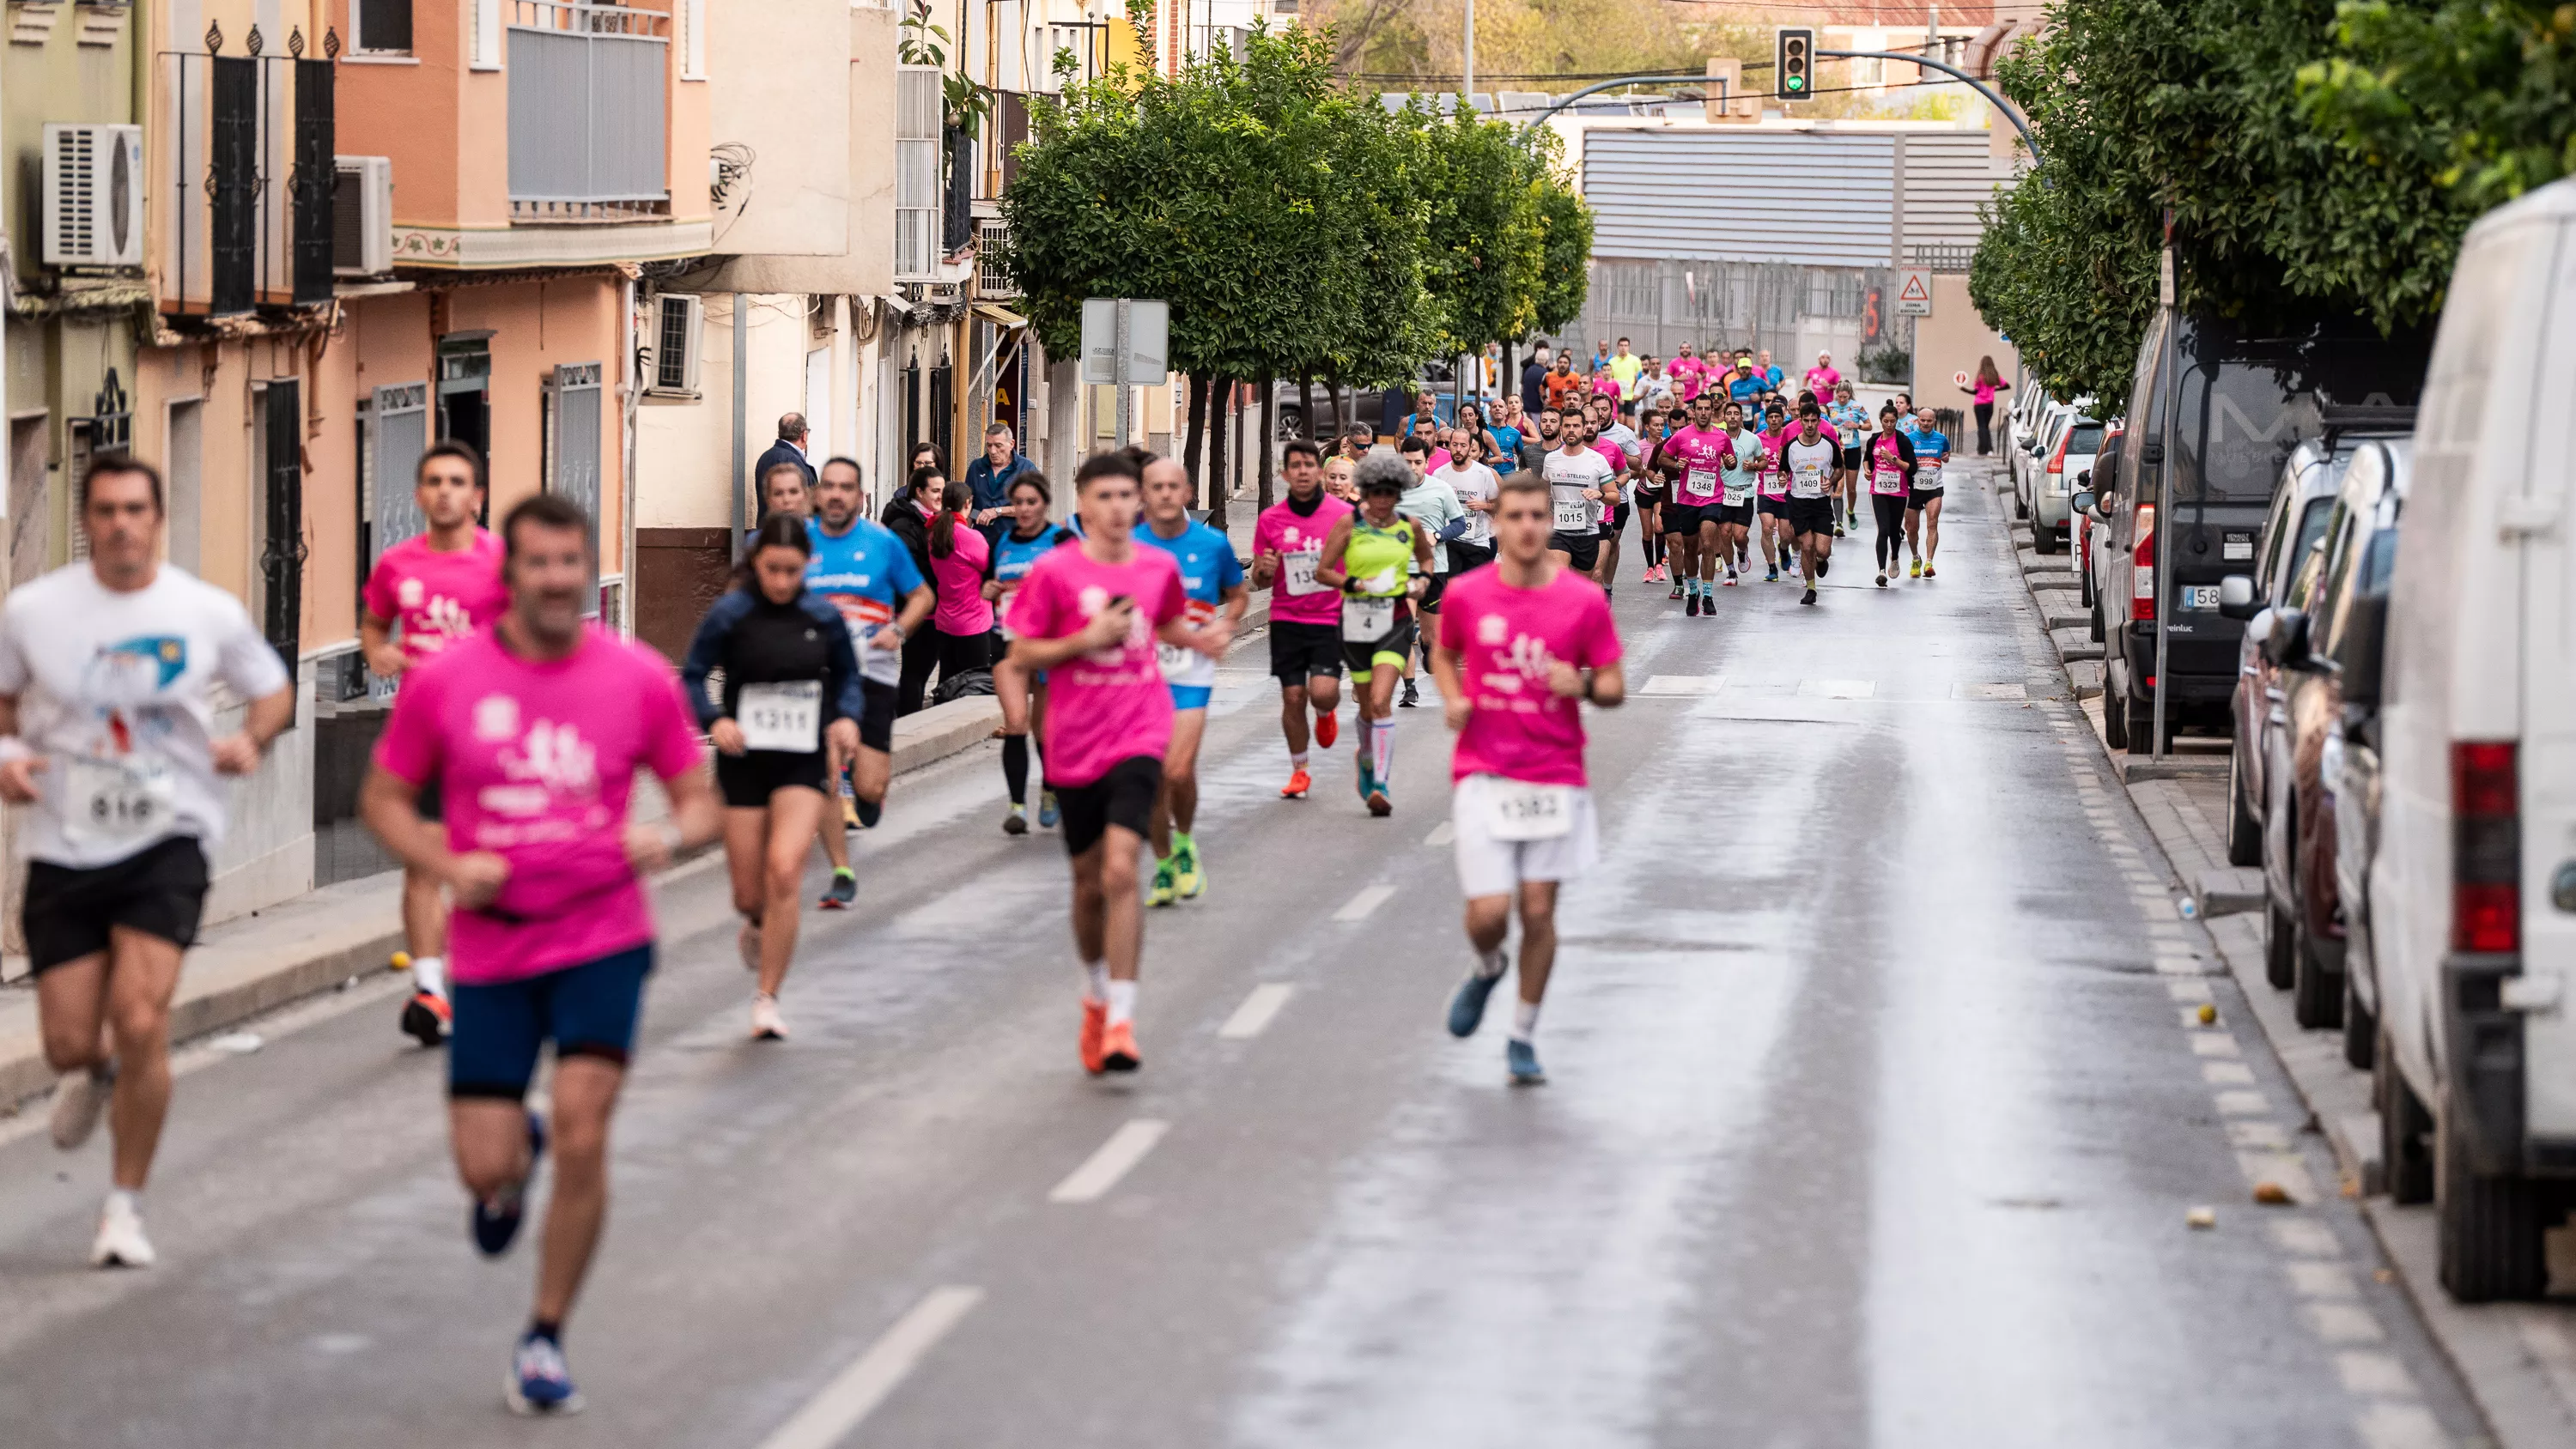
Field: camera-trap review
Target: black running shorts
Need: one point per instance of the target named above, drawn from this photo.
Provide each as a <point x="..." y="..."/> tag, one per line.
<point x="159" y="890"/>
<point x="1123" y="797"/>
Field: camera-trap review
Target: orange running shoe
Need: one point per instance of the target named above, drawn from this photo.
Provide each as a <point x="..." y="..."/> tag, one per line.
<point x="1118" y="1048"/>
<point x="1328" y="728"/>
<point x="1095" y="1022"/>
<point x="1299" y="782"/>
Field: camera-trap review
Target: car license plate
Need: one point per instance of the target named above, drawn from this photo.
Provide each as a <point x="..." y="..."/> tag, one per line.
<point x="2201" y="597"/>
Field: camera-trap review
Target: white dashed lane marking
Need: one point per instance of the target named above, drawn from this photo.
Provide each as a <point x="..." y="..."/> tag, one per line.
<point x="1442" y="834"/>
<point x="1116" y="1158"/>
<point x="853" y="1395"/>
<point x="1255" y="1013"/>
<point x="1357" y="908"/>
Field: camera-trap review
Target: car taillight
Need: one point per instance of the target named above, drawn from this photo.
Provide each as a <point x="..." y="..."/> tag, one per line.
<point x="2057" y="459"/>
<point x="2142" y="566"/>
<point x="2486" y="848"/>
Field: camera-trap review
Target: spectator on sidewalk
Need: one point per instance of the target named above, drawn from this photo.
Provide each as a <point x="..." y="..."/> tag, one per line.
<point x="989" y="478"/>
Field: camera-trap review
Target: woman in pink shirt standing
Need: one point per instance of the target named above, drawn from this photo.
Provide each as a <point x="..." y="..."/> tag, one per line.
<point x="1981" y="392"/>
<point x="964" y="618"/>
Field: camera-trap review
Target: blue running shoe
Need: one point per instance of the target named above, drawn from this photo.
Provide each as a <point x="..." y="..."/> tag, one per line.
<point x="496" y="1223"/>
<point x="1522" y="1059"/>
<point x="1467" y="1008"/>
<point x="540" y="1382"/>
<point x="1047" y="813"/>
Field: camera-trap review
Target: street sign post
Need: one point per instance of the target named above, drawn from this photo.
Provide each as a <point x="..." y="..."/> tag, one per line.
<point x="1125" y="341"/>
<point x="1914" y="292"/>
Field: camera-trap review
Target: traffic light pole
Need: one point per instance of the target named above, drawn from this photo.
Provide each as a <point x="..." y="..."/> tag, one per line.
<point x="2029" y="142"/>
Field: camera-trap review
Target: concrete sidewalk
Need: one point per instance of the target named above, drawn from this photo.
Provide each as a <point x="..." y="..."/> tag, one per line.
<point x="330" y="937"/>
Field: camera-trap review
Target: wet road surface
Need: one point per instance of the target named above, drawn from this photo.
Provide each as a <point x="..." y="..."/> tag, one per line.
<point x="1878" y="1102"/>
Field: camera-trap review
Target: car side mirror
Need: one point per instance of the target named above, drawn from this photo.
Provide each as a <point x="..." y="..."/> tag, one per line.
<point x="2358" y="652"/>
<point x="2236" y="597"/>
<point x="2152" y="453"/>
<point x="2082" y="502"/>
<point x="2286" y="647"/>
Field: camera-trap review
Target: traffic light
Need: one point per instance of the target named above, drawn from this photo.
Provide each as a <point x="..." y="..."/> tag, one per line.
<point x="1793" y="60"/>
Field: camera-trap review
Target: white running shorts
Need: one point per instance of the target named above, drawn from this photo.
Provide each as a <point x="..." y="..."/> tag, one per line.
<point x="1490" y="867"/>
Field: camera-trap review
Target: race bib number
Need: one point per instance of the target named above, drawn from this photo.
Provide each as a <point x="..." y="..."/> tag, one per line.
<point x="786" y="716"/>
<point x="1365" y="621"/>
<point x="1298" y="571"/>
<point x="1887" y="480"/>
<point x="866" y="617"/>
<point x="1809" y="482"/>
<point x="1927" y="475"/>
<point x="1517" y="810"/>
<point x="116" y="802"/>
<point x="1736" y="493"/>
<point x="1182" y="665"/>
<point x="1573" y="515"/>
<point x="1699" y="484"/>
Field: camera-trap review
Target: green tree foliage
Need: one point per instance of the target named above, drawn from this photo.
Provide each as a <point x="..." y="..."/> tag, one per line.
<point x="2481" y="94"/>
<point x="1296" y="228"/>
<point x="2141" y="105"/>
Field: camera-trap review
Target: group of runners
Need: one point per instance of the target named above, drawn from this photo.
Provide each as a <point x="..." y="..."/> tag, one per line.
<point x="520" y="729"/>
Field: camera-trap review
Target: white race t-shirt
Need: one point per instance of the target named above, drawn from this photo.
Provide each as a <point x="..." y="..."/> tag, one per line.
<point x="114" y="691"/>
<point x="1568" y="474"/>
<point x="1470" y="483"/>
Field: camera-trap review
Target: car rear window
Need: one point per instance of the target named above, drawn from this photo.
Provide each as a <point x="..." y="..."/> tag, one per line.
<point x="2087" y="438"/>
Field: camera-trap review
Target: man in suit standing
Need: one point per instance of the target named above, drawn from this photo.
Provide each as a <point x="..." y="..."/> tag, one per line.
<point x="790" y="448"/>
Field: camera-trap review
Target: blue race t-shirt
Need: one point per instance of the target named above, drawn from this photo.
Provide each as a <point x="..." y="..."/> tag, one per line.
<point x="866" y="573"/>
<point x="1509" y="459"/>
<point x="1745" y="389"/>
<point x="1208" y="569"/>
<point x="1931" y="456"/>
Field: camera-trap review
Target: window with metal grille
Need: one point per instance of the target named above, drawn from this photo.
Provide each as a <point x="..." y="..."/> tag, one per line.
<point x="232" y="180"/>
<point x="383" y="25"/>
<point x="315" y="177"/>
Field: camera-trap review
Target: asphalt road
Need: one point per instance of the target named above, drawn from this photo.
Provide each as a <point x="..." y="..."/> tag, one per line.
<point x="1877" y="1107"/>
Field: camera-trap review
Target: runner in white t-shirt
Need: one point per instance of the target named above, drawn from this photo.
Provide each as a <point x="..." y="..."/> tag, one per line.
<point x="1475" y="484"/>
<point x="107" y="728"/>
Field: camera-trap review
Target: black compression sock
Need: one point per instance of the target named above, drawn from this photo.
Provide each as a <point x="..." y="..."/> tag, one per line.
<point x="548" y="1329"/>
<point x="1015" y="767"/>
<point x="870" y="811"/>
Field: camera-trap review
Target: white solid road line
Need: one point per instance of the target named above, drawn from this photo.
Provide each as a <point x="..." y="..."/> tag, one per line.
<point x="1256" y="1011"/>
<point x="857" y="1391"/>
<point x="1101" y="1171"/>
<point x="1357" y="908"/>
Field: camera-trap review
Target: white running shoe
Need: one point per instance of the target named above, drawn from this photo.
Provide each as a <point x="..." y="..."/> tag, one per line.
<point x="766" y="1023"/>
<point x="120" y="1242"/>
<point x="748" y="941"/>
<point x="79" y="1097"/>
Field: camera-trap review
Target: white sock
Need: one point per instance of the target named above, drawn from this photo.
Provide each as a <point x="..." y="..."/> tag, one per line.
<point x="1494" y="963"/>
<point x="1382" y="748"/>
<point x="429" y="973"/>
<point x="1524" y="1020"/>
<point x="1122" y="1002"/>
<point x="1097" y="975"/>
<point x="126" y="1198"/>
<point x="1297" y="759"/>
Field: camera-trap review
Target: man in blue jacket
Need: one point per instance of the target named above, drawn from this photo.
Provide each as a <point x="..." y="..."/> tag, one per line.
<point x="990" y="477"/>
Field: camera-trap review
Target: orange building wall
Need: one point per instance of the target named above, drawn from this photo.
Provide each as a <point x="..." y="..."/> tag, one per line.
<point x="408" y="112"/>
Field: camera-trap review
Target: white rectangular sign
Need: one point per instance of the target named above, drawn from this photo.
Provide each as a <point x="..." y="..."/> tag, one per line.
<point x="1914" y="292"/>
<point x="1149" y="331"/>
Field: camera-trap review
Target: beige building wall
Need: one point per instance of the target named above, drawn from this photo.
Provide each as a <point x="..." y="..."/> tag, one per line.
<point x="1951" y="341"/>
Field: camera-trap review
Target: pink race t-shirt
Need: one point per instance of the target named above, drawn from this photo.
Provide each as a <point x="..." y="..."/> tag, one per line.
<point x="1605" y="383"/>
<point x="1773" y="481"/>
<point x="1505" y="638"/>
<point x="1701" y="454"/>
<point x="1821" y="380"/>
<point x="1689" y="376"/>
<point x="959" y="580"/>
<point x="535" y="760"/>
<point x="1112" y="704"/>
<point x="1611" y="453"/>
<point x="1295" y="597"/>
<point x="437" y="599"/>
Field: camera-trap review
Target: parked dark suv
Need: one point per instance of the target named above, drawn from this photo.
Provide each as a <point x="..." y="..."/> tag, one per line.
<point x="2243" y="404"/>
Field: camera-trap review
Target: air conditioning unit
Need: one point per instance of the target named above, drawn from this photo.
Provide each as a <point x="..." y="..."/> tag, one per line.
<point x="93" y="196"/>
<point x="362" y="216"/>
<point x="679" y="330"/>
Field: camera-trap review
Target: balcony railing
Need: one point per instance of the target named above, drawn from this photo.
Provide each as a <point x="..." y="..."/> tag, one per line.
<point x="587" y="103"/>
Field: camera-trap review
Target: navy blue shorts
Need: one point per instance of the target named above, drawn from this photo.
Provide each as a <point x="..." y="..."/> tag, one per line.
<point x="586" y="1010"/>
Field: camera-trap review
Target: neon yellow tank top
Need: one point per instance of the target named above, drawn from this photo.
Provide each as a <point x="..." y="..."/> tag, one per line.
<point x="1376" y="557"/>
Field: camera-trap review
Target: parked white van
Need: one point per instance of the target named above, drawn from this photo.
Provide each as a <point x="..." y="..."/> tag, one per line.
<point x="2473" y="892"/>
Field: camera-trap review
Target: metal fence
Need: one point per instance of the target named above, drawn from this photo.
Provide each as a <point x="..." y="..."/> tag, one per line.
<point x="586" y="111"/>
<point x="1787" y="309"/>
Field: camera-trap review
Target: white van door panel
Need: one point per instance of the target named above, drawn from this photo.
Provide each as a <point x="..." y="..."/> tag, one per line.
<point x="2548" y="758"/>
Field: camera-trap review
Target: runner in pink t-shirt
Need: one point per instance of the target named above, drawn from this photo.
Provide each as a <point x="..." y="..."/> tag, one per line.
<point x="1690" y="374"/>
<point x="438" y="588"/>
<point x="1696" y="457"/>
<point x="537" y="727"/>
<point x="1522" y="646"/>
<point x="1305" y="616"/>
<point x="1089" y="614"/>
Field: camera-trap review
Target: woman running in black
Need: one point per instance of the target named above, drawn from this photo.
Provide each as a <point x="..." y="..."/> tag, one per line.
<point x="1889" y="477"/>
<point x="790" y="679"/>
